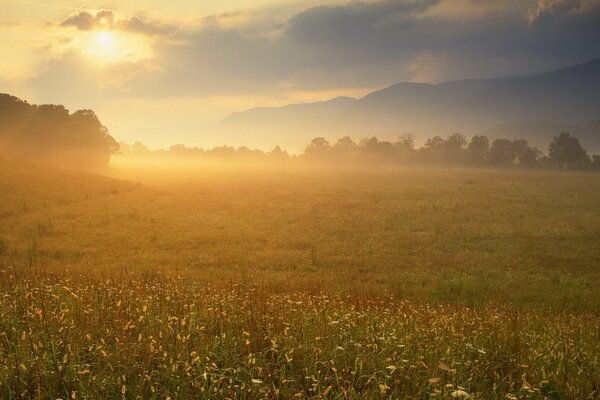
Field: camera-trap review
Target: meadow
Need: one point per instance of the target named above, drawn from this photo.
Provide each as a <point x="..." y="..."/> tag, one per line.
<point x="173" y="280"/>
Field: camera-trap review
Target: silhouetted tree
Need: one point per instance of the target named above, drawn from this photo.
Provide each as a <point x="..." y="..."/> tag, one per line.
<point x="223" y="152"/>
<point x="50" y="133"/>
<point x="278" y="155"/>
<point x="526" y="156"/>
<point x="178" y="149"/>
<point x="502" y="152"/>
<point x="405" y="147"/>
<point x="406" y="141"/>
<point x="246" y="154"/>
<point x="530" y="157"/>
<point x="478" y="150"/>
<point x="565" y="151"/>
<point x="317" y="149"/>
<point x="433" y="150"/>
<point x="344" y="148"/>
<point x="454" y="148"/>
<point x="374" y="150"/>
<point x="139" y="148"/>
<point x="595" y="162"/>
<point x="519" y="146"/>
<point x="435" y="142"/>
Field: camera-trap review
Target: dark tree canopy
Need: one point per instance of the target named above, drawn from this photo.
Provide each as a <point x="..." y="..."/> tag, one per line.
<point x="49" y="133"/>
<point x="565" y="151"/>
<point x="478" y="149"/>
<point x="318" y="148"/>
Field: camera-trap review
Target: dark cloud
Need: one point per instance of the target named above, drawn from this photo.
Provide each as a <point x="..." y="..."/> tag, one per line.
<point x="554" y="10"/>
<point x="110" y="20"/>
<point x="355" y="21"/>
<point x="84" y="21"/>
<point x="388" y="37"/>
<point x="361" y="44"/>
<point x="138" y="25"/>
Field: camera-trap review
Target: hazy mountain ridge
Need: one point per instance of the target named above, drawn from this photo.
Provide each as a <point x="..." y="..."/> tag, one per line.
<point x="569" y="97"/>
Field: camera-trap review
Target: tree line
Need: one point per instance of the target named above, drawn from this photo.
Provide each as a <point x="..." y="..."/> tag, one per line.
<point x="565" y="151"/>
<point x="50" y="133"/>
<point x="220" y="153"/>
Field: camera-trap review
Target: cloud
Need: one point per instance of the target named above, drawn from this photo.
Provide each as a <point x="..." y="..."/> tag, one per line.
<point x="552" y="9"/>
<point x="83" y="21"/>
<point x="265" y="57"/>
<point x="138" y="25"/>
<point x="110" y="20"/>
<point x="354" y="45"/>
<point x="561" y="8"/>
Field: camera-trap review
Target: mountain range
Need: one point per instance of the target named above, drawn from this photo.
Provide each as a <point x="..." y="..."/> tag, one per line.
<point x="535" y="107"/>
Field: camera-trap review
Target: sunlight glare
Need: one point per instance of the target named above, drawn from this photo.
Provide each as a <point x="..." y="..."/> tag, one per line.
<point x="108" y="47"/>
<point x="105" y="39"/>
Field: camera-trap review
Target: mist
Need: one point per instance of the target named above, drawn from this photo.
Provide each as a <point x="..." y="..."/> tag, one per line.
<point x="367" y="199"/>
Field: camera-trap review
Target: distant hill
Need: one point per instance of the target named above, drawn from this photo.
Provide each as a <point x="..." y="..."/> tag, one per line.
<point x="289" y="125"/>
<point x="563" y="98"/>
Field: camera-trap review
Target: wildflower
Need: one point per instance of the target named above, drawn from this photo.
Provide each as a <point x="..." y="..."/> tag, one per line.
<point x="460" y="394"/>
<point x="383" y="388"/>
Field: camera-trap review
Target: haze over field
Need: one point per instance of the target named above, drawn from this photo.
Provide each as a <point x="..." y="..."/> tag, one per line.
<point x="164" y="73"/>
<point x="300" y="199"/>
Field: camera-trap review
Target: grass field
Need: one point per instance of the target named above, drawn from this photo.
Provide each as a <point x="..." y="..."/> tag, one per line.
<point x="210" y="281"/>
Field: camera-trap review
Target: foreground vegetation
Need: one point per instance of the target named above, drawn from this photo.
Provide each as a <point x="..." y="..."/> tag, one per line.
<point x="263" y="282"/>
<point x="160" y="337"/>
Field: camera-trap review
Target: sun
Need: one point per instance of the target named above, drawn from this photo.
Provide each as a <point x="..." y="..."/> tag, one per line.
<point x="105" y="40"/>
<point x="107" y="47"/>
<point x="103" y="46"/>
<point x="111" y="47"/>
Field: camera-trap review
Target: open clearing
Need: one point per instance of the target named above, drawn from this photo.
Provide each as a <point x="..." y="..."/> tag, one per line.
<point x="317" y="282"/>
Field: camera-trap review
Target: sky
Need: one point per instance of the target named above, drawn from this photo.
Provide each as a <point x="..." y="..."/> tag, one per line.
<point x="165" y="72"/>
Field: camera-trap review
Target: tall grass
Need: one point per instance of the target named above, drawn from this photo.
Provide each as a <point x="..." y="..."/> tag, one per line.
<point x="83" y="336"/>
<point x="300" y="283"/>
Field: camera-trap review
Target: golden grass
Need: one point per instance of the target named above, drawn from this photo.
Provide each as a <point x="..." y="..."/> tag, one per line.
<point x="273" y="282"/>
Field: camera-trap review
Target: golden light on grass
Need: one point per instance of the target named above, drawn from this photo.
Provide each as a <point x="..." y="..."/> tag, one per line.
<point x="115" y="289"/>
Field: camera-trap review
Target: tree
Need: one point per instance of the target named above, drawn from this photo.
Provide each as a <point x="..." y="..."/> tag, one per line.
<point x="50" y="134"/>
<point x="344" y="147"/>
<point x="139" y="148"/>
<point x="405" y="147"/>
<point x="455" y="146"/>
<point x="478" y="149"/>
<point x="432" y="151"/>
<point x="223" y="152"/>
<point x="596" y="162"/>
<point x="530" y="157"/>
<point x="434" y="143"/>
<point x="373" y="145"/>
<point x="406" y="142"/>
<point x="317" y="149"/>
<point x="565" y="151"/>
<point x="278" y="155"/>
<point x="90" y="132"/>
<point x="502" y="152"/>
<point x="526" y="156"/>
